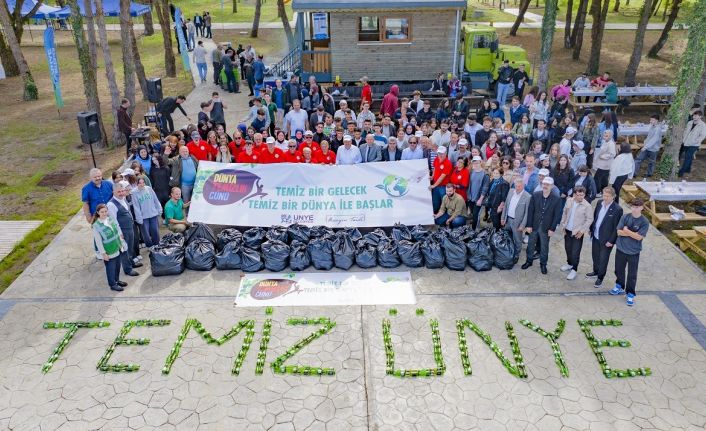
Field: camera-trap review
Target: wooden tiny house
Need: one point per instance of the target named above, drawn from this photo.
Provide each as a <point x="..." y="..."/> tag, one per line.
<point x="397" y="40"/>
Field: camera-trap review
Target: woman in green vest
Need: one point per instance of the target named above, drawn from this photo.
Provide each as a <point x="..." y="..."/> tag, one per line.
<point x="110" y="243"/>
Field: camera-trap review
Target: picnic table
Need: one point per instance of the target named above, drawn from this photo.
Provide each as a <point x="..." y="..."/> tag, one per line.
<point x="647" y="95"/>
<point x="669" y="192"/>
<point x="637" y="129"/>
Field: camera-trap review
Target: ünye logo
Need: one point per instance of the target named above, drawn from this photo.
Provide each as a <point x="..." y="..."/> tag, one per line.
<point x="272" y="288"/>
<point x="229" y="186"/>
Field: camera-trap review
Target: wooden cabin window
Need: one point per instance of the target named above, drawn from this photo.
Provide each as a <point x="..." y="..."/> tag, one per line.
<point x="384" y="29"/>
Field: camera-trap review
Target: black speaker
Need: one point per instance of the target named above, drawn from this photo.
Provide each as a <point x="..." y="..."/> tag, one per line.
<point x="89" y="127"/>
<point x="154" y="90"/>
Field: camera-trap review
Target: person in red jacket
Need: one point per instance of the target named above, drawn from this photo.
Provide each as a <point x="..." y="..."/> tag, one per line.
<point x="366" y="94"/>
<point x="237" y="144"/>
<point x="441" y="176"/>
<point x="271" y="154"/>
<point x="390" y="103"/>
<point x="460" y="177"/>
<point x="258" y="142"/>
<point x="325" y="156"/>
<point x="309" y="142"/>
<point x="200" y="149"/>
<point x="307" y="157"/>
<point x="249" y="155"/>
<point x="292" y="155"/>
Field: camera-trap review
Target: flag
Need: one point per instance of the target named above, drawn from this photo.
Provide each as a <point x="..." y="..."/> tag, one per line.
<point x="53" y="62"/>
<point x="181" y="41"/>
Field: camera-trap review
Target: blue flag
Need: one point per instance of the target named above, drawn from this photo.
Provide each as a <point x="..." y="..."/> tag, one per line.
<point x="181" y="41"/>
<point x="53" y="62"/>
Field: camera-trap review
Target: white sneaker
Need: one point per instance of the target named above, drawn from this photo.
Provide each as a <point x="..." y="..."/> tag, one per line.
<point x="139" y="257"/>
<point x="571" y="275"/>
<point x="525" y="239"/>
<point x="565" y="267"/>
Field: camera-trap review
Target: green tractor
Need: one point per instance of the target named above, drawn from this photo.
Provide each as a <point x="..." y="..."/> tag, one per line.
<point x="483" y="55"/>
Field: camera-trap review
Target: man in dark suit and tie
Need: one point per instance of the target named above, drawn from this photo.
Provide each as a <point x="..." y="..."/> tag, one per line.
<point x="543" y="216"/>
<point x="370" y="152"/>
<point x="391" y="153"/>
<point x="604" y="233"/>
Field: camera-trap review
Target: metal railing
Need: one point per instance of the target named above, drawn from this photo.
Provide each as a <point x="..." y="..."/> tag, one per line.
<point x="290" y="63"/>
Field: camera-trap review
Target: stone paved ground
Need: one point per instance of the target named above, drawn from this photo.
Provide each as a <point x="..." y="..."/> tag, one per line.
<point x="66" y="283"/>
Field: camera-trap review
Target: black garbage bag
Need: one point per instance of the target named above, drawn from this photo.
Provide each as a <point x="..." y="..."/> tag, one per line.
<point x="320" y="232"/>
<point x="401" y="232"/>
<point x="374" y="237"/>
<point x="254" y="237"/>
<point x="229" y="257"/>
<point x="366" y="255"/>
<point x="173" y="239"/>
<point x="199" y="230"/>
<point x="387" y="254"/>
<point x="432" y="251"/>
<point x="410" y="253"/>
<point x="419" y="233"/>
<point x="276" y="254"/>
<point x="343" y="250"/>
<point x="226" y="236"/>
<point x="454" y="252"/>
<point x="250" y="260"/>
<point x="485" y="234"/>
<point x="299" y="232"/>
<point x="321" y="253"/>
<point x="200" y="255"/>
<point x="167" y="260"/>
<point x="480" y="255"/>
<point x="465" y="233"/>
<point x="277" y="233"/>
<point x="353" y="233"/>
<point x="299" y="258"/>
<point x="503" y="248"/>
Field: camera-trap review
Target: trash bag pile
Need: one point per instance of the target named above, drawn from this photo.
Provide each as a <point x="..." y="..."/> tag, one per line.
<point x="298" y="247"/>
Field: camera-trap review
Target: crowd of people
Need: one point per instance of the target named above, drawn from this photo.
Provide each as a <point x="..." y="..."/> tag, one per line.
<point x="533" y="166"/>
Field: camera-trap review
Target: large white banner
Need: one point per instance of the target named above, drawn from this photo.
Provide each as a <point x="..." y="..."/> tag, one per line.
<point x="325" y="288"/>
<point x="363" y="195"/>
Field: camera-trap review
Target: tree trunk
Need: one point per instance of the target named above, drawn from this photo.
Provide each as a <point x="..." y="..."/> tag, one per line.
<point x="235" y="6"/>
<point x="88" y="74"/>
<point x="285" y="23"/>
<point x="701" y="95"/>
<point x="520" y="17"/>
<point x="147" y="19"/>
<point x="30" y="91"/>
<point x="256" y="18"/>
<point x="665" y="32"/>
<point x="6" y="57"/>
<point x="163" y="15"/>
<point x="128" y="57"/>
<point x="545" y="53"/>
<point x="109" y="72"/>
<point x="599" y="17"/>
<point x="91" y="30"/>
<point x="139" y="68"/>
<point x="631" y="71"/>
<point x="616" y="8"/>
<point x="664" y="12"/>
<point x="567" y="25"/>
<point x="579" y="25"/>
<point x="655" y="7"/>
<point x="15" y="22"/>
<point x="692" y="65"/>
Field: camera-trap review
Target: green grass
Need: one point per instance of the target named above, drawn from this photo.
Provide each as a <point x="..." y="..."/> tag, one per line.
<point x="246" y="10"/>
<point x="628" y="14"/>
<point x="490" y="13"/>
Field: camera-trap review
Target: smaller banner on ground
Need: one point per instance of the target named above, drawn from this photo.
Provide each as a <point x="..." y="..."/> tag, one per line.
<point x="331" y="288"/>
<point x="53" y="62"/>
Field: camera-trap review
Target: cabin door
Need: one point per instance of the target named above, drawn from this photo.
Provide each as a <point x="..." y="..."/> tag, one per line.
<point x="316" y="57"/>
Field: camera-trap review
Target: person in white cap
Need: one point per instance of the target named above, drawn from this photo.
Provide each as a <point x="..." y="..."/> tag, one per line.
<point x="414" y="150"/>
<point x="580" y="157"/>
<point x="309" y="142"/>
<point x="441" y="174"/>
<point x="541" y="175"/>
<point x="566" y="141"/>
<point x="461" y="152"/>
<point x="543" y="216"/>
<point x="348" y="154"/>
<point x="271" y="154"/>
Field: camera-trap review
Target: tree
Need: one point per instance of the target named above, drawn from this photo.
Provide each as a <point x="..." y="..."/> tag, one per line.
<point x="616" y="8"/>
<point x="128" y="57"/>
<point x="676" y="4"/>
<point x="235" y="6"/>
<point x="30" y="91"/>
<point x="579" y="26"/>
<point x="15" y="21"/>
<point x="692" y="65"/>
<point x="139" y="68"/>
<point x="599" y="17"/>
<point x="88" y="74"/>
<point x="147" y="18"/>
<point x="545" y="53"/>
<point x="256" y="18"/>
<point x="701" y="95"/>
<point x="282" y="12"/>
<point x="524" y="4"/>
<point x="109" y="71"/>
<point x="567" y="24"/>
<point x="163" y="15"/>
<point x="631" y="71"/>
<point x="91" y="30"/>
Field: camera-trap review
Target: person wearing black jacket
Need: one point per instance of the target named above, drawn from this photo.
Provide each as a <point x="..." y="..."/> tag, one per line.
<point x="392" y="153"/>
<point x="159" y="178"/>
<point x="439" y="84"/>
<point x="166" y="108"/>
<point x="483" y="134"/>
<point x="563" y="177"/>
<point x="543" y="216"/>
<point x="497" y="192"/>
<point x="604" y="234"/>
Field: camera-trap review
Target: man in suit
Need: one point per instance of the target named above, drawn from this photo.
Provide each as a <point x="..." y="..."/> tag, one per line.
<point x="604" y="234"/>
<point x="391" y="153"/>
<point x="543" y="216"/>
<point x="514" y="216"/>
<point x="370" y="151"/>
<point x="318" y="116"/>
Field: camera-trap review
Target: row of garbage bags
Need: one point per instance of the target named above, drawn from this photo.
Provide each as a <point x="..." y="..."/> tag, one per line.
<point x="299" y="247"/>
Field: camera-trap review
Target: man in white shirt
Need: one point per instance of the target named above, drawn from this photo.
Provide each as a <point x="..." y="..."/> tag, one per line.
<point x="566" y="141"/>
<point x="296" y="119"/>
<point x="341" y="113"/>
<point x="413" y="150"/>
<point x="442" y="136"/>
<point x="365" y="114"/>
<point x="348" y="154"/>
<point x="471" y="127"/>
<point x="514" y="216"/>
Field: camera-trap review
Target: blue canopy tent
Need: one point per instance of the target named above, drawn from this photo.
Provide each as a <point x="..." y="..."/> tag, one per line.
<point x="44" y="11"/>
<point x="112" y="8"/>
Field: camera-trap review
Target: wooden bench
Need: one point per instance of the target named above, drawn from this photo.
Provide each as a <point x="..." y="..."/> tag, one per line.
<point x="630" y="190"/>
<point x="658" y="218"/>
<point x="688" y="240"/>
<point x="581" y="105"/>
